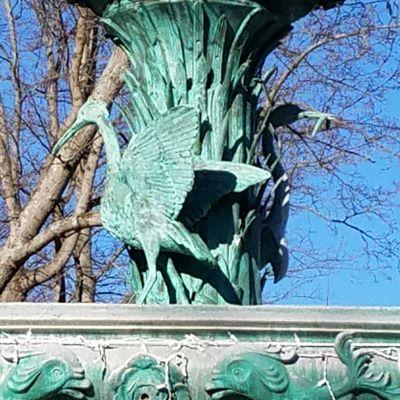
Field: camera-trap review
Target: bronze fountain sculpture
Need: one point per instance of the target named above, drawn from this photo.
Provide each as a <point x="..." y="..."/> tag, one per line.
<point x="147" y="186"/>
<point x="184" y="197"/>
<point x="189" y="183"/>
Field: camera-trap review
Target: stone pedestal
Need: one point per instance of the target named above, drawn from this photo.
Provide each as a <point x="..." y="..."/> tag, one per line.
<point x="198" y="352"/>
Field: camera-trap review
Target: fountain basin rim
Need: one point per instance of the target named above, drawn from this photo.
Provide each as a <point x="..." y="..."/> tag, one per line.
<point x="112" y="318"/>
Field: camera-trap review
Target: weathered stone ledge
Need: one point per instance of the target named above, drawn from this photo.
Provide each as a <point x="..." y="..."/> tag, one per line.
<point x="104" y="318"/>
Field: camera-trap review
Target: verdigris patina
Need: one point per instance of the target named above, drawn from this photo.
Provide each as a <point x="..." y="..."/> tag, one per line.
<point x="49" y="374"/>
<point x="147" y="186"/>
<point x="145" y="378"/>
<point x="131" y="352"/>
<point x="263" y="376"/>
<point x="185" y="194"/>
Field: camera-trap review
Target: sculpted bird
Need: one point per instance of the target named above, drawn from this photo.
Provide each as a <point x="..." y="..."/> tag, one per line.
<point x="147" y="186"/>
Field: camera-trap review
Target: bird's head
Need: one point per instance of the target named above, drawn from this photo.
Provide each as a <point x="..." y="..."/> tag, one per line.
<point x="92" y="112"/>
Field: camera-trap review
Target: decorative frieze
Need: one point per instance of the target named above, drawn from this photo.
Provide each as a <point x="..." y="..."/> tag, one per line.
<point x="200" y="353"/>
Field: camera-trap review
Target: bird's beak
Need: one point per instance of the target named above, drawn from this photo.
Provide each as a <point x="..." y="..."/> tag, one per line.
<point x="317" y="115"/>
<point x="71" y="132"/>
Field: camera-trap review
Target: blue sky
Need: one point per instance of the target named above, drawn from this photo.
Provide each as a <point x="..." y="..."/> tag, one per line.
<point x="349" y="275"/>
<point x="353" y="278"/>
<point x="358" y="280"/>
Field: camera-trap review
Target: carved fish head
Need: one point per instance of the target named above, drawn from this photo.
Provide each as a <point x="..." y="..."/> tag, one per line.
<point x="41" y="376"/>
<point x="248" y="375"/>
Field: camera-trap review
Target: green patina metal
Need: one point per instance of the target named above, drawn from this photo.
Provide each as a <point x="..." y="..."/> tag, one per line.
<point x="146" y="378"/>
<point x="187" y="188"/>
<point x="262" y="376"/>
<point x="54" y="374"/>
<point x="147" y="187"/>
<point x="184" y="197"/>
<point x="57" y="374"/>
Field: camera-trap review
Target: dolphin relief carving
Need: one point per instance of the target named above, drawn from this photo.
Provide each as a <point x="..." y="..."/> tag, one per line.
<point x="264" y="376"/>
<point x="53" y="374"/>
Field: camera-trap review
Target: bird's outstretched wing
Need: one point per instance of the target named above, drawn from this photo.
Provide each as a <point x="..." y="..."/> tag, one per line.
<point x="158" y="162"/>
<point x="244" y="175"/>
<point x="214" y="179"/>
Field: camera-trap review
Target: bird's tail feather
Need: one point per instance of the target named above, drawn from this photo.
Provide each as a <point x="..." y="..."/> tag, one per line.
<point x="192" y="243"/>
